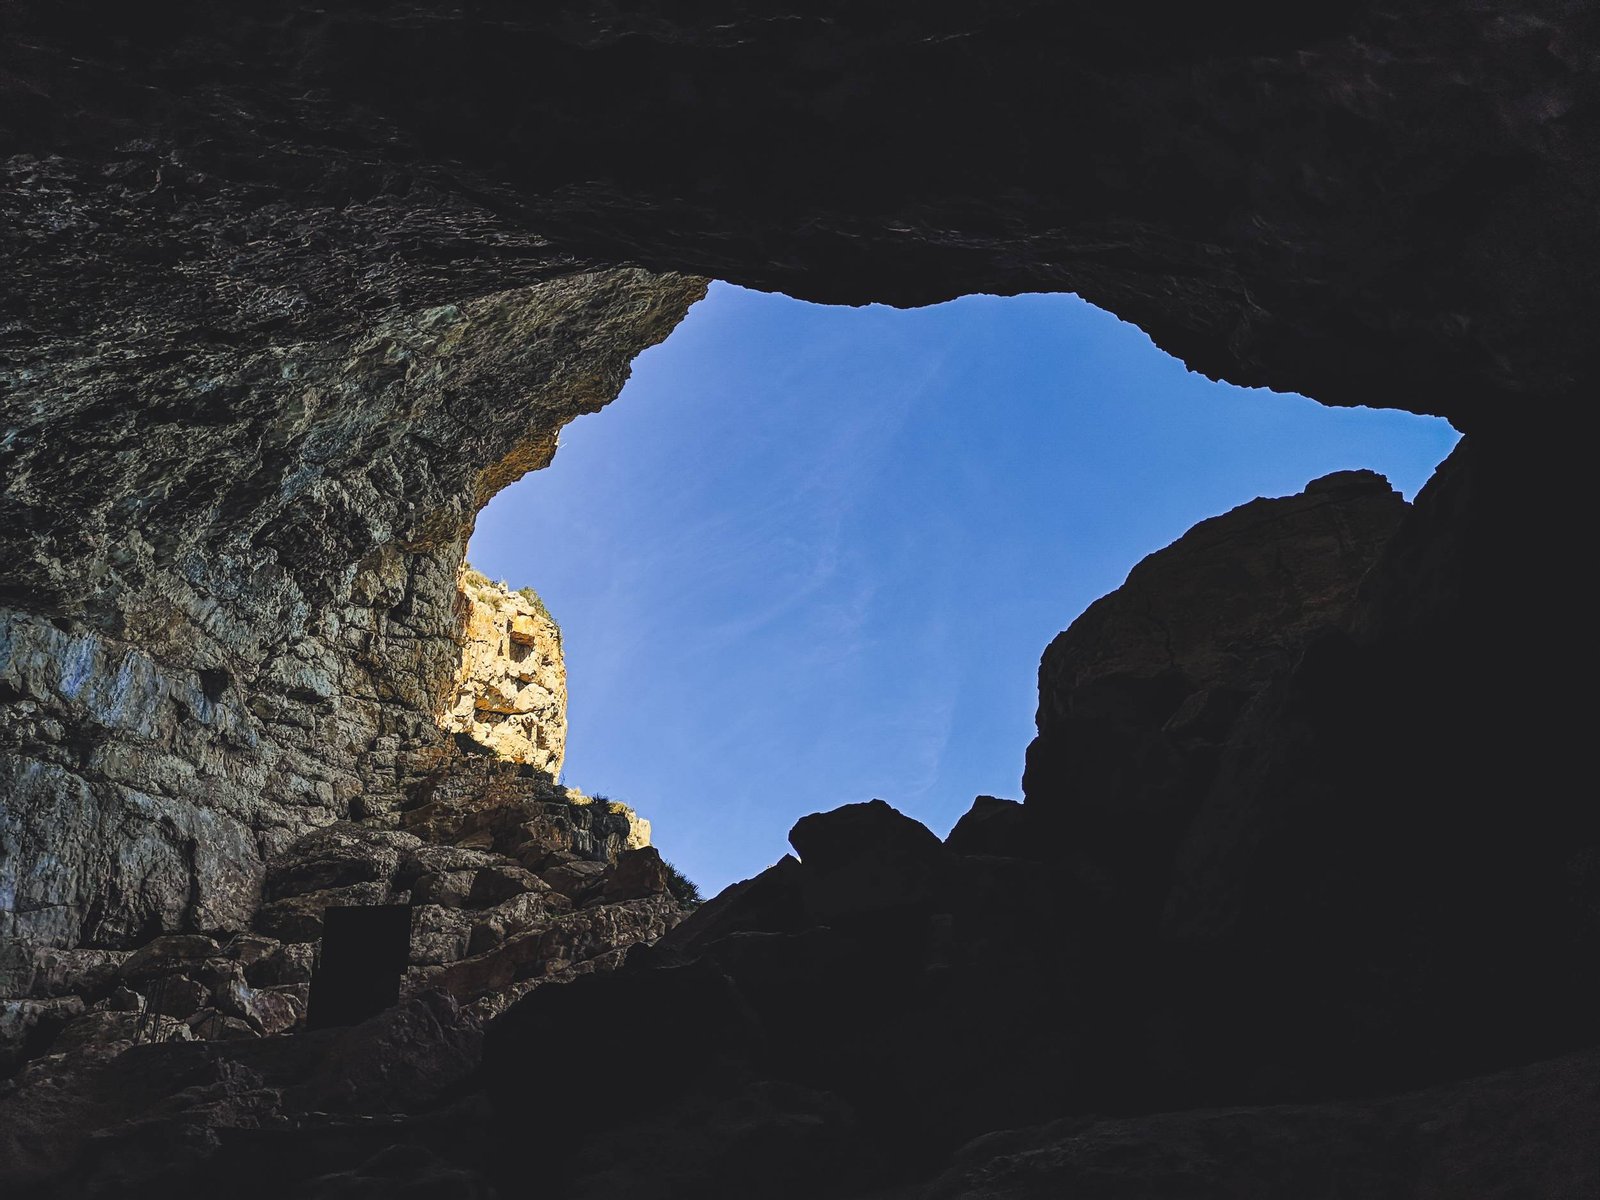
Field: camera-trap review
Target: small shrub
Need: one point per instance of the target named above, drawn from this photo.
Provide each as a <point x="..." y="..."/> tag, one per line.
<point x="681" y="888"/>
<point x="534" y="599"/>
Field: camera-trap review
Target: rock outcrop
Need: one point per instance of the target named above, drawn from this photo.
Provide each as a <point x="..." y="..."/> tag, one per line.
<point x="510" y="693"/>
<point x="1138" y="698"/>
<point x="1200" y="903"/>
<point x="179" y="709"/>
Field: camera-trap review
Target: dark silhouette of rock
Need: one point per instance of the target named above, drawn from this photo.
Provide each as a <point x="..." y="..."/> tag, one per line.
<point x="1524" y="1133"/>
<point x="992" y="826"/>
<point x="1138" y="695"/>
<point x="865" y="859"/>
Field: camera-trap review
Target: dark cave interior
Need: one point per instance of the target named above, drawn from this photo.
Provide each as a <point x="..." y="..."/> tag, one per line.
<point x="292" y="290"/>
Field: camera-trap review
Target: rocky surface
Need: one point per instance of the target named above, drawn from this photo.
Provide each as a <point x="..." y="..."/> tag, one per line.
<point x="1139" y="697"/>
<point x="510" y="693"/>
<point x="1528" y="1132"/>
<point x="177" y="712"/>
<point x="1381" y="202"/>
<point x="1198" y="904"/>
<point x="291" y="291"/>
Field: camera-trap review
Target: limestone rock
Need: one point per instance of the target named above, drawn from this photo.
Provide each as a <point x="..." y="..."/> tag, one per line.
<point x="290" y="963"/>
<point x="337" y="856"/>
<point x="40" y="972"/>
<point x="552" y="947"/>
<point x="481" y="802"/>
<point x="514" y="916"/>
<point x="862" y="859"/>
<point x="178" y="996"/>
<point x="240" y="1107"/>
<point x="113" y="1028"/>
<point x="202" y="673"/>
<point x="635" y="875"/>
<point x="299" y="918"/>
<point x="510" y="691"/>
<point x="577" y="879"/>
<point x="167" y="954"/>
<point x="439" y="934"/>
<point x="448" y="889"/>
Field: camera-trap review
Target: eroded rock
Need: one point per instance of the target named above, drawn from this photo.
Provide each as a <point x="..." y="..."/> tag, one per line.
<point x="510" y="693"/>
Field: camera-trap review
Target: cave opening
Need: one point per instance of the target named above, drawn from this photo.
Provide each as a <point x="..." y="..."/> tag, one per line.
<point x="813" y="554"/>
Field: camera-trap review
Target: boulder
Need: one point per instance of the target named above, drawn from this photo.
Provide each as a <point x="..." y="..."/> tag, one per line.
<point x="267" y="1011"/>
<point x="114" y="1028"/>
<point x="517" y="915"/>
<point x="250" y="948"/>
<point x="501" y="881"/>
<point x="439" y="934"/>
<point x="432" y="858"/>
<point x="213" y="1026"/>
<point x="552" y="947"/>
<point x="445" y="889"/>
<point x="166" y="955"/>
<point x="577" y="879"/>
<point x="176" y="996"/>
<point x="39" y="972"/>
<point x="1139" y="695"/>
<point x="992" y="826"/>
<point x="771" y="902"/>
<point x="336" y="856"/>
<point x="635" y="875"/>
<point x="864" y="860"/>
<point x="299" y="918"/>
<point x="290" y="963"/>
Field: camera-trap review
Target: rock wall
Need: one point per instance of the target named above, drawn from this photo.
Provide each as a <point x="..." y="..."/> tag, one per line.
<point x="1372" y="203"/>
<point x="510" y="692"/>
<point x="291" y="291"/>
<point x="231" y="573"/>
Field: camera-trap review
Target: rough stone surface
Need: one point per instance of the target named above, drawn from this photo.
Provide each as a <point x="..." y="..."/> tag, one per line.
<point x="510" y="692"/>
<point x="178" y="709"/>
<point x="1523" y="1133"/>
<point x="291" y="290"/>
<point x="1139" y="694"/>
<point x="1378" y="203"/>
<point x="266" y="1115"/>
<point x="552" y="946"/>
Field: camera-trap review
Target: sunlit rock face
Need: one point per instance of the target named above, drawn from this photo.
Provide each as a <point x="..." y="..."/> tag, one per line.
<point x="510" y="692"/>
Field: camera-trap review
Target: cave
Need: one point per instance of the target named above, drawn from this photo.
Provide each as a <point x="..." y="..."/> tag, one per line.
<point x="1303" y="893"/>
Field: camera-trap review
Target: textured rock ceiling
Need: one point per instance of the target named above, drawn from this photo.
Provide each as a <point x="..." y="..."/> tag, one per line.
<point x="1387" y="203"/>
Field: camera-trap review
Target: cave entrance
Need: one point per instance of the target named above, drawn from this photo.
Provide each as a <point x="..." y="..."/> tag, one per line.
<point x="812" y="554"/>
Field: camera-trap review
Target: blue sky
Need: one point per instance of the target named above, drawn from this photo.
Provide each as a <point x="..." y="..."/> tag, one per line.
<point x="812" y="555"/>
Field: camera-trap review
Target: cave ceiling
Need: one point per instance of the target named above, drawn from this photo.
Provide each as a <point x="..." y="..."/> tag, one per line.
<point x="1383" y="203"/>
